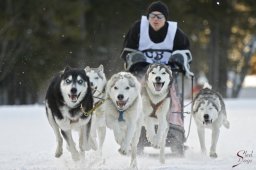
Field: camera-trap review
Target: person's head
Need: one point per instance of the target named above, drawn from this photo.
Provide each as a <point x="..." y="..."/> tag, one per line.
<point x="157" y="14"/>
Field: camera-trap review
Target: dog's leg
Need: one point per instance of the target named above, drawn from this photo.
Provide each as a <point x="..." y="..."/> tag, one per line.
<point x="101" y="134"/>
<point x="215" y="137"/>
<point x="161" y="135"/>
<point x="93" y="135"/>
<point x="128" y="138"/>
<point x="71" y="144"/>
<point x="82" y="138"/>
<point x="59" y="149"/>
<point x="150" y="131"/>
<point x="201" y="135"/>
<point x="162" y="147"/>
<point x="135" y="141"/>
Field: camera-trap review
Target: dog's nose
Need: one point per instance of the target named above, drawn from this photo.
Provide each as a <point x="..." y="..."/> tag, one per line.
<point x="73" y="90"/>
<point x="206" y="116"/>
<point x="120" y="97"/>
<point x="158" y="78"/>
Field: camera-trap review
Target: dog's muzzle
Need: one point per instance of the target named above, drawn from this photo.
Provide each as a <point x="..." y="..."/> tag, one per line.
<point x="73" y="96"/>
<point x="207" y="119"/>
<point x="121" y="103"/>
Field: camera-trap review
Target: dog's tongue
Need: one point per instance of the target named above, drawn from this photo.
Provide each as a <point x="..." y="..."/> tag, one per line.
<point x="73" y="97"/>
<point x="158" y="86"/>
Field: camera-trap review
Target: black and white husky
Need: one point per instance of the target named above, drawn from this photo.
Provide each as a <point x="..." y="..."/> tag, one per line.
<point x="156" y="105"/>
<point x="209" y="112"/>
<point x="68" y="99"/>
<point x="98" y="83"/>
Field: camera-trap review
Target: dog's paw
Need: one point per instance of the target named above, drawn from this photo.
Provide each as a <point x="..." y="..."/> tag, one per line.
<point x="58" y="152"/>
<point x="213" y="155"/>
<point x="75" y="156"/>
<point x="123" y="151"/>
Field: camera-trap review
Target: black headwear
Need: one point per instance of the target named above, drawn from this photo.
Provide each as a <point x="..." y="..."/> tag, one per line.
<point x="160" y="7"/>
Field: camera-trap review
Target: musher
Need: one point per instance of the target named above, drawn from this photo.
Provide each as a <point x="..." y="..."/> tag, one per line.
<point x="156" y="39"/>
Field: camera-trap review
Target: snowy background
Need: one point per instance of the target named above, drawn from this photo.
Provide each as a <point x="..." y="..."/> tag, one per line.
<point x="27" y="142"/>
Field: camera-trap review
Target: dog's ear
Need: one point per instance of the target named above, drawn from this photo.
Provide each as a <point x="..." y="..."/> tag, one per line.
<point x="66" y="69"/>
<point x="217" y="101"/>
<point x="196" y="105"/>
<point x="101" y="68"/>
<point x="148" y="70"/>
<point x="87" y="69"/>
<point x="130" y="79"/>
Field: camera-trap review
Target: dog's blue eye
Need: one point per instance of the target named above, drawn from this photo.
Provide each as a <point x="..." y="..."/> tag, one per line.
<point x="68" y="81"/>
<point x="96" y="78"/>
<point x="80" y="81"/>
<point x="127" y="88"/>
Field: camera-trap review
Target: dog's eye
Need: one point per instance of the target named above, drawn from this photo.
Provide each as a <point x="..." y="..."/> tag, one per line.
<point x="80" y="81"/>
<point x="164" y="73"/>
<point x="115" y="88"/>
<point x="96" y="78"/>
<point x="127" y="88"/>
<point x="153" y="72"/>
<point x="68" y="81"/>
<point x="201" y="108"/>
<point x="210" y="108"/>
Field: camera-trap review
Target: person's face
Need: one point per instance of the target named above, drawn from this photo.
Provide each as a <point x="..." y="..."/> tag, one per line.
<point x="156" y="20"/>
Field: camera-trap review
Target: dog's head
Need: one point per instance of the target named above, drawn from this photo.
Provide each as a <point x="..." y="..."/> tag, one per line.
<point x="158" y="78"/>
<point x="74" y="86"/>
<point x="97" y="78"/>
<point x="123" y="88"/>
<point x="206" y="109"/>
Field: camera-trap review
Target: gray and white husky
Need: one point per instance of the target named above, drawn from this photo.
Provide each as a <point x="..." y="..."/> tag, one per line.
<point x="156" y="105"/>
<point x="98" y="82"/>
<point x="209" y="112"/>
<point x="68" y="98"/>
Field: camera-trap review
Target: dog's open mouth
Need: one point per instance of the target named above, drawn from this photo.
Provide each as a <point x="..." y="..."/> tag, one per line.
<point x="207" y="121"/>
<point x="158" y="86"/>
<point x="74" y="97"/>
<point x="121" y="103"/>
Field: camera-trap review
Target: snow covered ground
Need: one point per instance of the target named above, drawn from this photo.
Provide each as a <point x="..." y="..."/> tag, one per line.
<point x="27" y="142"/>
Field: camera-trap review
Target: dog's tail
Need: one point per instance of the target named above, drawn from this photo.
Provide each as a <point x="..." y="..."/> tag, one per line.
<point x="226" y="123"/>
<point x="207" y="86"/>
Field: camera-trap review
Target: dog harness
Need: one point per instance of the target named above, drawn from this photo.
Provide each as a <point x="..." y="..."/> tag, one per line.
<point x="156" y="106"/>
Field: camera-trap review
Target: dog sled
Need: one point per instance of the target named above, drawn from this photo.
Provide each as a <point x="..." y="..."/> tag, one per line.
<point x="137" y="63"/>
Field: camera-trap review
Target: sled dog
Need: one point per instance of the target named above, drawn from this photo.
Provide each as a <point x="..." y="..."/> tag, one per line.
<point x="68" y="99"/>
<point x="123" y="109"/>
<point x="209" y="112"/>
<point x="156" y="105"/>
<point x="98" y="82"/>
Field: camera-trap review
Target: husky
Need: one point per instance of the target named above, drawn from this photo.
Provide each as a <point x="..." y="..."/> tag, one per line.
<point x="123" y="109"/>
<point x="98" y="82"/>
<point x="209" y="111"/>
<point x="68" y="100"/>
<point x="156" y="105"/>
